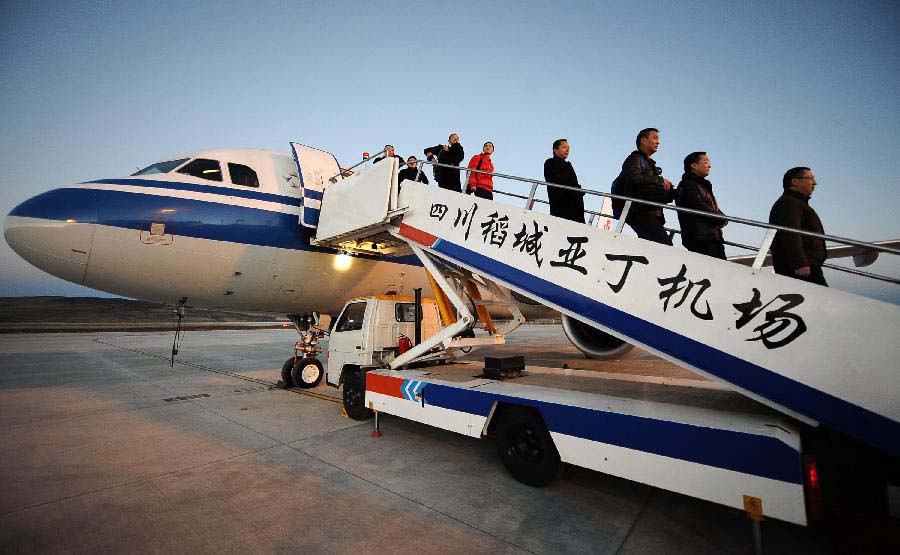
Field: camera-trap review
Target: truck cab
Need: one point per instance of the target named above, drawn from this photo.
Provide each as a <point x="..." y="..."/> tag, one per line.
<point x="369" y="331"/>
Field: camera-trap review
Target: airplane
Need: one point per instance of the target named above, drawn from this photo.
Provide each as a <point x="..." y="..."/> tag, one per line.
<point x="218" y="229"/>
<point x="227" y="229"/>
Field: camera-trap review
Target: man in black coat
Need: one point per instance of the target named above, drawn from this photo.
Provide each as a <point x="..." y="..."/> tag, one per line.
<point x="798" y="256"/>
<point x="411" y="172"/>
<point x="451" y="154"/>
<point x="698" y="233"/>
<point x="563" y="203"/>
<point x="641" y="178"/>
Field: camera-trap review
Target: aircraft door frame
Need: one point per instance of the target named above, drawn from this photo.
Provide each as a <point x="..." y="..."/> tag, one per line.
<point x="314" y="167"/>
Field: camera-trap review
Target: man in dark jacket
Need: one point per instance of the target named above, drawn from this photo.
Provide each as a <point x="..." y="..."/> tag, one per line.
<point x="563" y="203"/>
<point x="451" y="154"/>
<point x="640" y="178"/>
<point x="411" y="172"/>
<point x="698" y="233"/>
<point x="798" y="256"/>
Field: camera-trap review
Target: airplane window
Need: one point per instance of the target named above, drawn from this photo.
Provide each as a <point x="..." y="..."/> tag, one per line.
<point x="242" y="175"/>
<point x="161" y="167"/>
<point x="204" y="169"/>
<point x="352" y="318"/>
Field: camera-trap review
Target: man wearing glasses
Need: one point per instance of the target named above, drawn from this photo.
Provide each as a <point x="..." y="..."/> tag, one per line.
<point x="411" y="172"/>
<point x="794" y="255"/>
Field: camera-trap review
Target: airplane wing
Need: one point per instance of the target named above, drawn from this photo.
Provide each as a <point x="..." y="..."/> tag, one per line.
<point x="862" y="256"/>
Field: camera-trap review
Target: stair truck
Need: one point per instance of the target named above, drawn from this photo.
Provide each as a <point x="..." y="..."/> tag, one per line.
<point x="815" y="369"/>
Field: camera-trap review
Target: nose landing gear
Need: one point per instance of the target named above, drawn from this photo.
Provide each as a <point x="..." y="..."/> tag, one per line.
<point x="303" y="369"/>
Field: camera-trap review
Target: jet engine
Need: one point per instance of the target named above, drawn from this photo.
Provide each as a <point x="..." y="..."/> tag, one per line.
<point x="593" y="342"/>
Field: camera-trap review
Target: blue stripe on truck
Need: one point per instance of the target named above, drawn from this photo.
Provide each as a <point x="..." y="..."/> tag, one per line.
<point x="738" y="451"/>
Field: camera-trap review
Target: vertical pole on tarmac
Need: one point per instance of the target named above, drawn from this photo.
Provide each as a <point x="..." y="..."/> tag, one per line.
<point x="377" y="431"/>
<point x="418" y="316"/>
<point x="757" y="537"/>
<point x="754" y="510"/>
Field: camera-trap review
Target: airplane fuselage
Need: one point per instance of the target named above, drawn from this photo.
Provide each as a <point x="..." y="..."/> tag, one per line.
<point x="173" y="237"/>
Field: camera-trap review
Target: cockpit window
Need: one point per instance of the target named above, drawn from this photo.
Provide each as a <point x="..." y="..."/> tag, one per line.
<point x="204" y="169"/>
<point x="161" y="167"/>
<point x="243" y="175"/>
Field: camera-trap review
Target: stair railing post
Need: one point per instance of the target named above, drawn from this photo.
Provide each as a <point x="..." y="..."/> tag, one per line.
<point x="764" y="248"/>
<point x="530" y="203"/>
<point x="621" y="222"/>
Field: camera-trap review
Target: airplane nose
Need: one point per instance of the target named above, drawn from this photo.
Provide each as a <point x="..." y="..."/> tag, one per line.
<point x="53" y="231"/>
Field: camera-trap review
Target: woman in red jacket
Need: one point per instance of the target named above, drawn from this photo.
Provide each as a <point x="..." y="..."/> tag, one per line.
<point x="482" y="184"/>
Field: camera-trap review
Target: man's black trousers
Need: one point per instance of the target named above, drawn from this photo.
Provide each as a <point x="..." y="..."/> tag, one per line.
<point x="815" y="276"/>
<point x="713" y="248"/>
<point x="649" y="227"/>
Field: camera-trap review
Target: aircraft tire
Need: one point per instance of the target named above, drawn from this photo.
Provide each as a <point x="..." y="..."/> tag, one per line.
<point x="526" y="449"/>
<point x="354" y="395"/>
<point x="307" y="373"/>
<point x="286" y="372"/>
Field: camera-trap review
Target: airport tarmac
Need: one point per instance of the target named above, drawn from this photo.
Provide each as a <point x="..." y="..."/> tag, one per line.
<point x="108" y="448"/>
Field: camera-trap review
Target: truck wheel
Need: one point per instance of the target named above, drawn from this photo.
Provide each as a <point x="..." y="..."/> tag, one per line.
<point x="307" y="372"/>
<point x="355" y="396"/>
<point x="286" y="372"/>
<point x="526" y="448"/>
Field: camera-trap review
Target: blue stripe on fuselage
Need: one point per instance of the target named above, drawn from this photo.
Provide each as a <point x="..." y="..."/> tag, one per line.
<point x="818" y="405"/>
<point x="189" y="218"/>
<point x="60" y="205"/>
<point x="752" y="454"/>
<point x="198" y="188"/>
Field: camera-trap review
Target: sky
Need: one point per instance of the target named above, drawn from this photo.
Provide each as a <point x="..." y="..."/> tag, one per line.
<point x="97" y="89"/>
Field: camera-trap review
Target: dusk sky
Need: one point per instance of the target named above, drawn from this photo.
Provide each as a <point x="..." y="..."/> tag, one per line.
<point x="96" y="89"/>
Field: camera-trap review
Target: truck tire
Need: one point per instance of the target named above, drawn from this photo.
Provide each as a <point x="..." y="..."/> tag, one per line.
<point x="286" y="372"/>
<point x="526" y="448"/>
<point x="307" y="373"/>
<point x="355" y="396"/>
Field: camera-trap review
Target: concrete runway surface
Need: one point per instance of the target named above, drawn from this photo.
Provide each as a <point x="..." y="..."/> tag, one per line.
<point x="107" y="448"/>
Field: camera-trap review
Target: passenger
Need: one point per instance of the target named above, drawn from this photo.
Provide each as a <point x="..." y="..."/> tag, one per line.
<point x="411" y="172"/>
<point x="450" y="154"/>
<point x="698" y="233"/>
<point x="389" y="153"/>
<point x="482" y="184"/>
<point x="641" y="178"/>
<point x="557" y="169"/>
<point x="798" y="256"/>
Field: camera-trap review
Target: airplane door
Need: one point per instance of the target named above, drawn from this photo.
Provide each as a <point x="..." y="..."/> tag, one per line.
<point x="315" y="167"/>
<point x="347" y="341"/>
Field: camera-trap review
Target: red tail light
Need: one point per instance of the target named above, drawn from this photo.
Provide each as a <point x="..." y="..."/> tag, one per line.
<point x="812" y="488"/>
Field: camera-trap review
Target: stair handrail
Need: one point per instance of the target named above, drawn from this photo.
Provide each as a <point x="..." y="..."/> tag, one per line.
<point x="343" y="172"/>
<point x="745" y="221"/>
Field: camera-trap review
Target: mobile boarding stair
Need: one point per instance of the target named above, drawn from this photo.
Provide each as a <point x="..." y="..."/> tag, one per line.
<point x="818" y="355"/>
